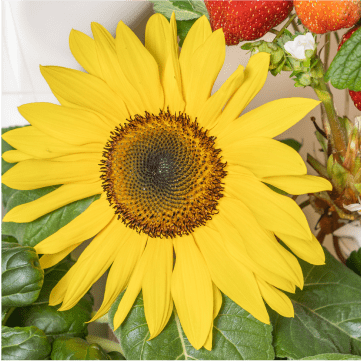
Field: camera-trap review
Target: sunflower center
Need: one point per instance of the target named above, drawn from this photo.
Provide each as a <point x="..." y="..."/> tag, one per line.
<point x="162" y="174"/>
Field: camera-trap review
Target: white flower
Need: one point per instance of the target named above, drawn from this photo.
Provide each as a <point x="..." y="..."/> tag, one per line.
<point x="354" y="207"/>
<point x="299" y="45"/>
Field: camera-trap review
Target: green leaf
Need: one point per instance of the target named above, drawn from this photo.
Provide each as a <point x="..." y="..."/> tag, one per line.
<point x="182" y="28"/>
<point x="30" y="234"/>
<point x="345" y="69"/>
<point x="22" y="276"/>
<point x="47" y="318"/>
<point x="327" y="313"/>
<point x="183" y="9"/>
<point x="236" y="336"/>
<point x="114" y="355"/>
<point x="354" y="261"/>
<point x="332" y="356"/>
<point x="66" y="348"/>
<point x="292" y="143"/>
<point x="28" y="343"/>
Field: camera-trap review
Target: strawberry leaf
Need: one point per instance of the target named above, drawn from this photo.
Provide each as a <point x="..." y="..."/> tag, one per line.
<point x="184" y="10"/>
<point x="345" y="69"/>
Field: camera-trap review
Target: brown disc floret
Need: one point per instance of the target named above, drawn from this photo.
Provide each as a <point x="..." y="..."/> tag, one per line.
<point x="162" y="174"/>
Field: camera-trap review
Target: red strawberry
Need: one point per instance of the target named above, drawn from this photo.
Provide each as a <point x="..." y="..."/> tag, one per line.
<point x="355" y="96"/>
<point x="323" y="16"/>
<point x="246" y="20"/>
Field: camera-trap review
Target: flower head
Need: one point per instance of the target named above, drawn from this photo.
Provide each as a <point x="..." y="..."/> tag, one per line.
<point x="297" y="48"/>
<point x="177" y="170"/>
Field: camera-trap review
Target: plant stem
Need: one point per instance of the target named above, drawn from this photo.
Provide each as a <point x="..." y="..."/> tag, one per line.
<point x="338" y="138"/>
<point x="8" y="314"/>
<point x="347" y="102"/>
<point x="305" y="204"/>
<point x="274" y="31"/>
<point x="284" y="28"/>
<point x="295" y="26"/>
<point x="337" y="37"/>
<point x="327" y="49"/>
<point x="107" y="345"/>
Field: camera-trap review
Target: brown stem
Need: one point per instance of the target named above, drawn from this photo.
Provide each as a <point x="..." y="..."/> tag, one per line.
<point x="336" y="245"/>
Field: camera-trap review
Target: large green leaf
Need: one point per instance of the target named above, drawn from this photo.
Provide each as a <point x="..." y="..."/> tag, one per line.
<point x="28" y="343"/>
<point x="47" y="318"/>
<point x="66" y="348"/>
<point x="354" y="261"/>
<point x="332" y="356"/>
<point x="327" y="313"/>
<point x="32" y="233"/>
<point x="345" y="69"/>
<point x="183" y="9"/>
<point x="236" y="336"/>
<point x="22" y="276"/>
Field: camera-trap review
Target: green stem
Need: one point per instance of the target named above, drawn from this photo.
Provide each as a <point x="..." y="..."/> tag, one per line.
<point x="8" y="314"/>
<point x="305" y="204"/>
<point x="274" y="31"/>
<point x="295" y="26"/>
<point x="284" y="28"/>
<point x="107" y="345"/>
<point x="337" y="37"/>
<point x="327" y="49"/>
<point x="338" y="138"/>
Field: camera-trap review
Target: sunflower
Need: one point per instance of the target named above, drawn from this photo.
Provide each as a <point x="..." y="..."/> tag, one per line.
<point x="178" y="173"/>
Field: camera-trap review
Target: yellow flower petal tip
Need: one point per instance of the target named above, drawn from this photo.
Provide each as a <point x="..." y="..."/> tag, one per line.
<point x="151" y="169"/>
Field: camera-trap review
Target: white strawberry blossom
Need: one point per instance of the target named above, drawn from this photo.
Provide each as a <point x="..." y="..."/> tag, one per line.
<point x="299" y="45"/>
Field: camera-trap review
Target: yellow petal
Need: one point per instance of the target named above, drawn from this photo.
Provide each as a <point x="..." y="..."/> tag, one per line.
<point x="35" y="173"/>
<point x="112" y="72"/>
<point x="121" y="270"/>
<point x="14" y="156"/>
<point x="309" y="250"/>
<point x="85" y="226"/>
<point x="204" y="72"/>
<point x="60" y="197"/>
<point x="231" y="277"/>
<point x="156" y="284"/>
<point x="265" y="157"/>
<point x="86" y="91"/>
<point x="133" y="289"/>
<point x="273" y="211"/>
<point x="268" y="120"/>
<point x="50" y="260"/>
<point x="172" y="80"/>
<point x="173" y="97"/>
<point x="255" y="76"/>
<point x="39" y="145"/>
<point x="192" y="291"/>
<point x="94" y="261"/>
<point x="158" y="40"/>
<point x="69" y="125"/>
<point x="140" y="68"/>
<point x="299" y="184"/>
<point x="84" y="51"/>
<point x="212" y="108"/>
<point x="276" y="299"/>
<point x="58" y="292"/>
<point x="197" y="35"/>
<point x="261" y="247"/>
<point x="217" y="303"/>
